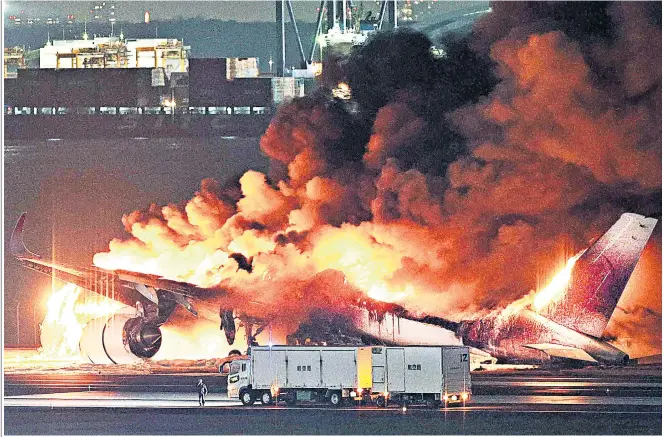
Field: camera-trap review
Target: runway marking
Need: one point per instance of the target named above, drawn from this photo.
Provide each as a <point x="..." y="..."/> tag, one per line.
<point x="91" y="399"/>
<point x="113" y="396"/>
<point x="395" y="410"/>
<point x="565" y="384"/>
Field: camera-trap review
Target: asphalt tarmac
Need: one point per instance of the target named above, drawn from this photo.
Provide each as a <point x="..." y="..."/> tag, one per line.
<point x="597" y="402"/>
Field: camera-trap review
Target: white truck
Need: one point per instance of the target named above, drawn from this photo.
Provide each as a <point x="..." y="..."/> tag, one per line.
<point x="432" y="375"/>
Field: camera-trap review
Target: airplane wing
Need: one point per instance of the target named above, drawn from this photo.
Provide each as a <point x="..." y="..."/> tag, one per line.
<point x="560" y="351"/>
<point x="152" y="287"/>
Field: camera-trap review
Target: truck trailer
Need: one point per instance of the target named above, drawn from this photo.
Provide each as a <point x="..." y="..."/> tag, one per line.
<point x="431" y="375"/>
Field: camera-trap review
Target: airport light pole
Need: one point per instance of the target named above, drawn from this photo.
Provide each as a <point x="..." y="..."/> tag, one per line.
<point x="18" y="324"/>
<point x="173" y="105"/>
<point x="34" y="325"/>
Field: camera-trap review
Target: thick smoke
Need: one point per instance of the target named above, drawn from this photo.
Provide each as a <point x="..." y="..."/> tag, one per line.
<point x="452" y="186"/>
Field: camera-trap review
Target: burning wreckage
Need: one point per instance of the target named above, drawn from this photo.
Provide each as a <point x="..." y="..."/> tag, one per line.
<point x="565" y="320"/>
<point x="448" y="186"/>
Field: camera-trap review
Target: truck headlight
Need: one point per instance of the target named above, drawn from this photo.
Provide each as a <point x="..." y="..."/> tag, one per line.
<point x="464" y="396"/>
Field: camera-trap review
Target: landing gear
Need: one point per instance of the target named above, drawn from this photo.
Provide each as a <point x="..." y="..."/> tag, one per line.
<point x="247" y="397"/>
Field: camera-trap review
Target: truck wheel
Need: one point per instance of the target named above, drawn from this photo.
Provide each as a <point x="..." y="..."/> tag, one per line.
<point x="335" y="399"/>
<point x="246" y="397"/>
<point x="266" y="398"/>
<point x="381" y="402"/>
<point x="432" y="403"/>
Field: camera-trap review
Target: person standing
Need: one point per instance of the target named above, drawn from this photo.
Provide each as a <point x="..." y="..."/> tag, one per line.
<point x="202" y="391"/>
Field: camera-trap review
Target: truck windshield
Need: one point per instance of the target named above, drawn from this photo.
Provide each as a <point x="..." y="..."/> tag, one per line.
<point x="235" y="367"/>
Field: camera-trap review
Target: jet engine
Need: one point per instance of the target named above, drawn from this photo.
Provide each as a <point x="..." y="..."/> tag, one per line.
<point x="119" y="339"/>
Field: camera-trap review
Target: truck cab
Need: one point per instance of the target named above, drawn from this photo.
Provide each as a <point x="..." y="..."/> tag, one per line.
<point x="225" y="364"/>
<point x="238" y="376"/>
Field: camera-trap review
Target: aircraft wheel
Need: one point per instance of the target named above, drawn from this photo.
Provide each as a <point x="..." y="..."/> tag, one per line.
<point x="266" y="398"/>
<point x="247" y="397"/>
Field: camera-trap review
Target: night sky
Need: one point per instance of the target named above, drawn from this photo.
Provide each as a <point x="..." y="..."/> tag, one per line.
<point x="247" y="10"/>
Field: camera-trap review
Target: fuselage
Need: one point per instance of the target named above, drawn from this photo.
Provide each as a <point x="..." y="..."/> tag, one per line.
<point x="506" y="337"/>
<point x="503" y="337"/>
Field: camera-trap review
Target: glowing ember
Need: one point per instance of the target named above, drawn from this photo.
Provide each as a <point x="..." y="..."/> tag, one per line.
<point x="66" y="317"/>
<point x="557" y="286"/>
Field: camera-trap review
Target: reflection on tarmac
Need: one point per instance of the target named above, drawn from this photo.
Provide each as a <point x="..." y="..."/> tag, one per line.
<point x="131" y="400"/>
<point x="105" y="401"/>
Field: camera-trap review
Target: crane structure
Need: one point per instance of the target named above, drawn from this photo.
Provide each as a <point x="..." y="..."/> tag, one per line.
<point x="337" y="15"/>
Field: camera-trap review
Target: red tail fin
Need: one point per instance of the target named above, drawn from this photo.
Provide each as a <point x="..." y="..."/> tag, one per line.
<point x="600" y="276"/>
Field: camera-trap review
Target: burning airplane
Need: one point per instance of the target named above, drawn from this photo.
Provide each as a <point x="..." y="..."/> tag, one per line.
<point x="565" y="320"/>
<point x="445" y="187"/>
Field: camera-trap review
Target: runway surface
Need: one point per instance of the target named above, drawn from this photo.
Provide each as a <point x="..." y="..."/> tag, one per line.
<point x="596" y="401"/>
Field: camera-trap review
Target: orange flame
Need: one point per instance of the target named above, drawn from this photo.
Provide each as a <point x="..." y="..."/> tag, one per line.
<point x="66" y="317"/>
<point x="365" y="263"/>
<point x="539" y="300"/>
<point x="556" y="287"/>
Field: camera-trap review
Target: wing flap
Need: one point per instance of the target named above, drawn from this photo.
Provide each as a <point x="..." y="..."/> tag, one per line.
<point x="561" y="351"/>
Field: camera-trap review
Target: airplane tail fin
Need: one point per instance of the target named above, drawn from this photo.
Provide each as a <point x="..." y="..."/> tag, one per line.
<point x="600" y="276"/>
<point x="16" y="244"/>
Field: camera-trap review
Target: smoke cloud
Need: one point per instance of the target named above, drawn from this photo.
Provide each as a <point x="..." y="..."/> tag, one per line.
<point x="451" y="186"/>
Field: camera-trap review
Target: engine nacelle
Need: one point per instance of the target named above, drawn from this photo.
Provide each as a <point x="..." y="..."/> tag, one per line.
<point x="119" y="339"/>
